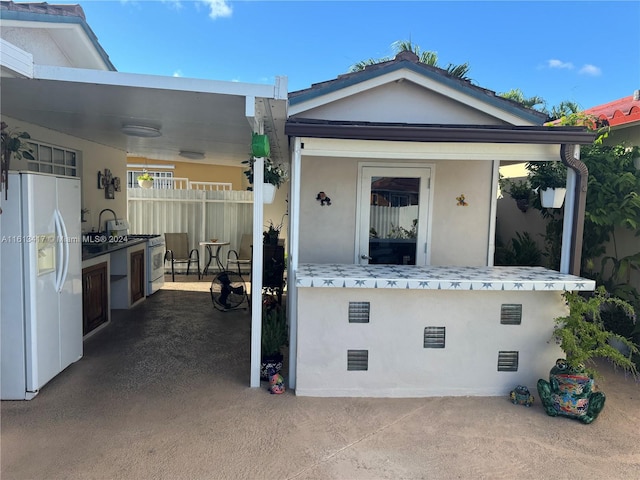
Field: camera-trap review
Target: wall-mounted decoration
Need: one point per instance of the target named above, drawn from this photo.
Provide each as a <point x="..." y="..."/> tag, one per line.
<point x="461" y="201"/>
<point x="323" y="199"/>
<point x="110" y="183"/>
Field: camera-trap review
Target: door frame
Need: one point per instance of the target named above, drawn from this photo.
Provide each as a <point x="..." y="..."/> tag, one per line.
<point x="429" y="211"/>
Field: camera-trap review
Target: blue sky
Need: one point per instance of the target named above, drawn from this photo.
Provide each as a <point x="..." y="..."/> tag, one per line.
<point x="584" y="51"/>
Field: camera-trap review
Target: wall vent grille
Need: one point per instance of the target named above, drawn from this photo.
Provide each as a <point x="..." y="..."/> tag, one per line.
<point x="359" y="312"/>
<point x="511" y="314"/>
<point x="357" y="359"/>
<point x="434" y="337"/>
<point x="508" y="361"/>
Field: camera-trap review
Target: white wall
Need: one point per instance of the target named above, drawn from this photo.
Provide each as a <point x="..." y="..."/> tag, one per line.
<point x="403" y="102"/>
<point x="93" y="157"/>
<point x="460" y="234"/>
<point x="39" y="43"/>
<point x="399" y="365"/>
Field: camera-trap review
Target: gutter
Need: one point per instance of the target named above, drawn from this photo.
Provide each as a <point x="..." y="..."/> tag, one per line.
<point x="570" y="156"/>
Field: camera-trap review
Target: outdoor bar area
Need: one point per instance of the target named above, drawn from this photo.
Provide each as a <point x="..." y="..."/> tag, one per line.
<point x="418" y="331"/>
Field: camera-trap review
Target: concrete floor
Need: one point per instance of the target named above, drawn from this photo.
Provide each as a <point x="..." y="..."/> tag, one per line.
<point x="162" y="394"/>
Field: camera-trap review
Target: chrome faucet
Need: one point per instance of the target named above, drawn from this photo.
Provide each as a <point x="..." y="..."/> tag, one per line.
<point x="100" y="218"/>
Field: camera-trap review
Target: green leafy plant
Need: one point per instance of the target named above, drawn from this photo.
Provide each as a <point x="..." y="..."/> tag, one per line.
<point x="583" y="336"/>
<point x="145" y="176"/>
<point x="520" y="189"/>
<point x="275" y="174"/>
<point x="522" y="251"/>
<point x="543" y="175"/>
<point x="274" y="329"/>
<point x="13" y="145"/>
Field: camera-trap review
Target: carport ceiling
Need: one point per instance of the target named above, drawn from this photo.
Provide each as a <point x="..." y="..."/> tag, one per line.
<point x="213" y="123"/>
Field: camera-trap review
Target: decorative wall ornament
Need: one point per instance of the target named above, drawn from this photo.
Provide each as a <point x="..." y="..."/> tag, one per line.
<point x="109" y="183"/>
<point x="461" y="201"/>
<point x="323" y="199"/>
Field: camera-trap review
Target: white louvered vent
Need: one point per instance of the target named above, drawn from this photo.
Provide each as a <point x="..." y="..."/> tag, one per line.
<point x="508" y="361"/>
<point x="357" y="359"/>
<point x="511" y="314"/>
<point x="434" y="337"/>
<point x="359" y="312"/>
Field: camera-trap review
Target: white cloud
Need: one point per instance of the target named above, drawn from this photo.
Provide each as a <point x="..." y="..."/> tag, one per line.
<point x="553" y="63"/>
<point x="178" y="73"/>
<point x="590" y="70"/>
<point x="173" y="3"/>
<point x="218" y="8"/>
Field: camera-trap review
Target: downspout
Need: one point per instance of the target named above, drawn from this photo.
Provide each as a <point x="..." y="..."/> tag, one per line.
<point x="570" y="156"/>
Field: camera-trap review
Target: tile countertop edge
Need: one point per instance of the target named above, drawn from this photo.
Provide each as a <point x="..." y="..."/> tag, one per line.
<point x="438" y="278"/>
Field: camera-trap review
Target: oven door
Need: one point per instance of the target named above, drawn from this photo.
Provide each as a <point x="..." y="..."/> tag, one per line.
<point x="155" y="273"/>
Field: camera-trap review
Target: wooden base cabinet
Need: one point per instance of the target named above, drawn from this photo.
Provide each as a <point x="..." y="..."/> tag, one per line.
<point x="95" y="297"/>
<point x="137" y="276"/>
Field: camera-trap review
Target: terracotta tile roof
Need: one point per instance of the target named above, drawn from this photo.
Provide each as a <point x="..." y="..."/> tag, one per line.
<point x="44" y="8"/>
<point x="619" y="112"/>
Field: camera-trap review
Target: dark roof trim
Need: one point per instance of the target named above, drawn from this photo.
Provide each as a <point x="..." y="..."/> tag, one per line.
<point x="405" y="132"/>
<point x="72" y="14"/>
<point x="427" y="71"/>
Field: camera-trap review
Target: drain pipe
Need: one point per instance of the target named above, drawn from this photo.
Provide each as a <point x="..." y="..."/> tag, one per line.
<point x="575" y="207"/>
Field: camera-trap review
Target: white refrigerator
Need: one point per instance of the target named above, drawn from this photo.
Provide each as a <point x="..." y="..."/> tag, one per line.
<point x="40" y="281"/>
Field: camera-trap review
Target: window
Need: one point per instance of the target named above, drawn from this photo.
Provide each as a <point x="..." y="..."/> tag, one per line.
<point x="50" y="159"/>
<point x="160" y="179"/>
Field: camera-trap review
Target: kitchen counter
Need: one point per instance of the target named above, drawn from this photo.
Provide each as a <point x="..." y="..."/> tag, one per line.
<point x="412" y="277"/>
<point x="92" y="250"/>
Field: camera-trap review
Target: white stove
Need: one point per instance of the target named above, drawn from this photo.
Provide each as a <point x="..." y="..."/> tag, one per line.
<point x="155" y="260"/>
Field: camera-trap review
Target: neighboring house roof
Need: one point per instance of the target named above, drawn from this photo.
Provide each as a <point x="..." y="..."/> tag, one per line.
<point x="619" y="112"/>
<point x="61" y="14"/>
<point x="409" y="60"/>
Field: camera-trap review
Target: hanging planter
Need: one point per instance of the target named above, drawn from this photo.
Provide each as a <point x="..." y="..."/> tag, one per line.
<point x="268" y="193"/>
<point x="260" y="145"/>
<point x="145" y="183"/>
<point x="552" y="197"/>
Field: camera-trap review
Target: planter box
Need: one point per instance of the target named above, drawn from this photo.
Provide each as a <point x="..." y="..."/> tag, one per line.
<point x="268" y="193"/>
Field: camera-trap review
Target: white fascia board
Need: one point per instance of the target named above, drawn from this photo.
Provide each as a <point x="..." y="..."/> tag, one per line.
<point x="381" y="149"/>
<point x="15" y="61"/>
<point x="100" y="77"/>
<point x="408" y="75"/>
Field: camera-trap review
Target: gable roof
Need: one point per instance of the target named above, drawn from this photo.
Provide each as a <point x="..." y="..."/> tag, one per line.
<point x="618" y="112"/>
<point x="409" y="60"/>
<point x="60" y="14"/>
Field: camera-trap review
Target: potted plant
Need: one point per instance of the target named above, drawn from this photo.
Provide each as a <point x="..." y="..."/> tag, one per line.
<point x="274" y="337"/>
<point x="550" y="179"/>
<point x="145" y="180"/>
<point x="274" y="176"/>
<point x="271" y="235"/>
<point x="520" y="191"/>
<point x="583" y="337"/>
<point x="13" y="145"/>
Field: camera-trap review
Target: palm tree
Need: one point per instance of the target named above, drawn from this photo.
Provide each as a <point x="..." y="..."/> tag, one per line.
<point x="428" y="57"/>
<point x="517" y="95"/>
<point x="564" y="109"/>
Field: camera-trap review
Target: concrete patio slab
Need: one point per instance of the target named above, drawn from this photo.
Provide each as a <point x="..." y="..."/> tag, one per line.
<point x="162" y="393"/>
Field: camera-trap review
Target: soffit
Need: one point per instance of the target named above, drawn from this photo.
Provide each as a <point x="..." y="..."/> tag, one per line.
<point x="202" y="121"/>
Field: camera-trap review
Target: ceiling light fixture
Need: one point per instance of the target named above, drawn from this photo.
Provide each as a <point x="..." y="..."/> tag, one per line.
<point x="141" y="131"/>
<point x="191" y="155"/>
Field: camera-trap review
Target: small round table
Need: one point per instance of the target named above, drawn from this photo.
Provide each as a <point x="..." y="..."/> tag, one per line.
<point x="211" y="255"/>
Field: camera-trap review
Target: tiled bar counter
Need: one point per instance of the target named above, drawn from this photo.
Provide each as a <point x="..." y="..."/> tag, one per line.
<point x="407" y="331"/>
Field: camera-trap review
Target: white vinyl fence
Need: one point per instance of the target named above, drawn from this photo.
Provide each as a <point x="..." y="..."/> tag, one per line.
<point x="382" y="218"/>
<point x="202" y="214"/>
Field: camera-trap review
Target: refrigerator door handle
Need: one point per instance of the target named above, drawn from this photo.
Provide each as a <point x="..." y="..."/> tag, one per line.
<point x="65" y="244"/>
<point x="56" y="219"/>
